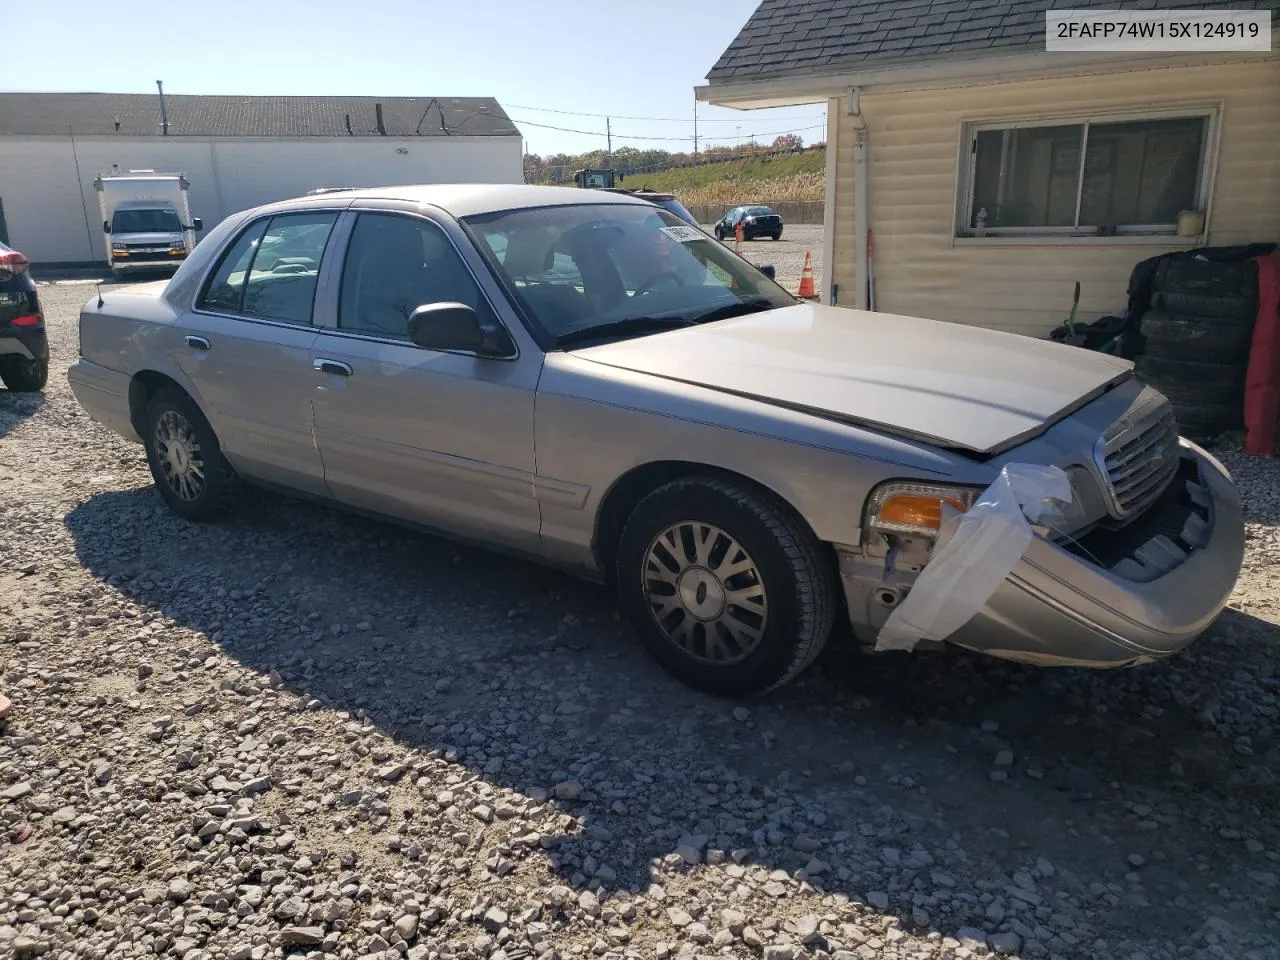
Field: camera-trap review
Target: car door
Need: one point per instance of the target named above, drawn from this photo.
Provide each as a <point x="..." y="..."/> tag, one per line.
<point x="246" y="346"/>
<point x="437" y="438"/>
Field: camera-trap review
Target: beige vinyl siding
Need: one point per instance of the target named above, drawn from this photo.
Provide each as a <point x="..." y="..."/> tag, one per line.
<point x="844" y="253"/>
<point x="914" y="144"/>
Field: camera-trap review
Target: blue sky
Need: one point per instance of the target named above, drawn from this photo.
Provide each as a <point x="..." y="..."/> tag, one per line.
<point x="629" y="60"/>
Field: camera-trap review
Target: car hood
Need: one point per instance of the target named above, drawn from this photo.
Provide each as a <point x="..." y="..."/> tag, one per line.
<point x="155" y="238"/>
<point x="954" y="386"/>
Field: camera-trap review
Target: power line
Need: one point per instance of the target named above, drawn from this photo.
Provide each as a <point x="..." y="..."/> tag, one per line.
<point x="625" y="136"/>
<point x="615" y="116"/>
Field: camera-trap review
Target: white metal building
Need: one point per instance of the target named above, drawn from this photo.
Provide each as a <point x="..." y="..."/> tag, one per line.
<point x="237" y="152"/>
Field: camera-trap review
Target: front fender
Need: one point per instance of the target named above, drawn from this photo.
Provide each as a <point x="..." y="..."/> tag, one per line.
<point x="592" y="430"/>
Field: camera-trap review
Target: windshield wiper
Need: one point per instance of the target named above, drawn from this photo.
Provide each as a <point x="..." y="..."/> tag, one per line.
<point x="630" y="325"/>
<point x="738" y="308"/>
<point x="654" y="324"/>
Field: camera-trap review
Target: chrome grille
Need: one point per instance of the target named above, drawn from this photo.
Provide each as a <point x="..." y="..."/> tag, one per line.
<point x="1138" y="456"/>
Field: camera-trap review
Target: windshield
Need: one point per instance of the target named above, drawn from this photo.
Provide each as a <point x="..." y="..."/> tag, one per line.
<point x="758" y="212"/>
<point x="625" y="269"/>
<point x="145" y="221"/>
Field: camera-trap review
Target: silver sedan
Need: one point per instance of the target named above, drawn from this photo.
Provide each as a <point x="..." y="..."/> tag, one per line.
<point x="585" y="379"/>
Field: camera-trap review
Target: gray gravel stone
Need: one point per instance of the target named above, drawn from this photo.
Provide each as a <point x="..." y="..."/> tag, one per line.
<point x="302" y="936"/>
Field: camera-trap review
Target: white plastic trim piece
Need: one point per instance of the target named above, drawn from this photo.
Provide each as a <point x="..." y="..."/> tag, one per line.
<point x="983" y="547"/>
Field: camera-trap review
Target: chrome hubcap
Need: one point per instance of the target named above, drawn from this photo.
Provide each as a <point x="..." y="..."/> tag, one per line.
<point x="705" y="592"/>
<point x="178" y="451"/>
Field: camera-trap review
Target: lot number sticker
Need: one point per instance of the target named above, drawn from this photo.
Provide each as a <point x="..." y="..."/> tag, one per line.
<point x="684" y="234"/>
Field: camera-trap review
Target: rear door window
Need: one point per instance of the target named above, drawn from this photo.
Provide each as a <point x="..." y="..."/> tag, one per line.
<point x="282" y="277"/>
<point x="225" y="291"/>
<point x="271" y="269"/>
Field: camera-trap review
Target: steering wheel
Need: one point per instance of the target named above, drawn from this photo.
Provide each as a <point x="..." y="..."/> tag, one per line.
<point x="643" y="288"/>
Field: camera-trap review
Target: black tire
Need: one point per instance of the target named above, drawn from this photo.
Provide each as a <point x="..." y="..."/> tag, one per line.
<point x="1207" y="421"/>
<point x="776" y="236"/>
<point x="1193" y="384"/>
<point x="1242" y="308"/>
<point x="719" y="234"/>
<point x="787" y="564"/>
<point x="1206" y="339"/>
<point x="220" y="485"/>
<point x="1207" y="278"/>
<point x="24" y="376"/>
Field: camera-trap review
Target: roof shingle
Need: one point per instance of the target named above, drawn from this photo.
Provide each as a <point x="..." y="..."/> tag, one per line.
<point x="844" y="34"/>
<point x="134" y="114"/>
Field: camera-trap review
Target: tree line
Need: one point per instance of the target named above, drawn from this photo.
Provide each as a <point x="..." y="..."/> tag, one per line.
<point x="560" y="167"/>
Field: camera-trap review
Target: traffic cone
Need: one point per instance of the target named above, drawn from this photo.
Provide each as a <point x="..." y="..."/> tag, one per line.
<point x="806" y="291"/>
<point x="737" y="238"/>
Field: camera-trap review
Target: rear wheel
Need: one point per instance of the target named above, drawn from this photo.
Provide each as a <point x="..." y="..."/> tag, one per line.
<point x="728" y="589"/>
<point x="24" y="376"/>
<point x="186" y="462"/>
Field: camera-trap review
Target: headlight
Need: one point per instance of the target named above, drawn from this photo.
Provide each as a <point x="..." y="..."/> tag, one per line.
<point x="119" y="246"/>
<point x="915" y="508"/>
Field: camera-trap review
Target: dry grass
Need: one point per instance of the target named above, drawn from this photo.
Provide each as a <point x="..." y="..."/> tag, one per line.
<point x="799" y="186"/>
<point x="800" y="176"/>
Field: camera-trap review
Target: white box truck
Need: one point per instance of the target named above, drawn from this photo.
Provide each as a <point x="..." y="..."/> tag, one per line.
<point x="146" y="220"/>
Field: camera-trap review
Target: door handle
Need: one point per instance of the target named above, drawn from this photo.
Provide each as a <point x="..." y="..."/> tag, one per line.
<point x="335" y="367"/>
<point x="197" y="343"/>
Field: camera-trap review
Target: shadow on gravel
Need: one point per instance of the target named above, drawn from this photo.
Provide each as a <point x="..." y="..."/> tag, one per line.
<point x="17" y="407"/>
<point x="850" y="775"/>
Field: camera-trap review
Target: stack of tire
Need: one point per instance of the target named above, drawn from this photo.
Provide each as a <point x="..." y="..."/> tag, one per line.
<point x="1197" y="337"/>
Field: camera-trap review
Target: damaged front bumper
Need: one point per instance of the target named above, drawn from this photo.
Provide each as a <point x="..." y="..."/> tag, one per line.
<point x="1113" y="598"/>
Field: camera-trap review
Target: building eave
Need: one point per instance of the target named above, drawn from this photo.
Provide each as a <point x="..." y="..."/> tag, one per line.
<point x="792" y="90"/>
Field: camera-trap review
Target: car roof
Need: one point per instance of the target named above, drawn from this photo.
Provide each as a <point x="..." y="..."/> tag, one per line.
<point x="465" y="199"/>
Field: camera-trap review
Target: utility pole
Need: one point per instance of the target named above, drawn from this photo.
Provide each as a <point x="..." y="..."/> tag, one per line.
<point x="164" y="114"/>
<point x="608" y="133"/>
<point x="695" y="125"/>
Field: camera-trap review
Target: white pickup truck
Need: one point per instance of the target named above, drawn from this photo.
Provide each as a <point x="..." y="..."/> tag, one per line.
<point x="146" y="220"/>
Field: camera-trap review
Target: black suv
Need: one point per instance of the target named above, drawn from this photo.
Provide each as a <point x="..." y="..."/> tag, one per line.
<point x="24" y="347"/>
<point x="756" y="222"/>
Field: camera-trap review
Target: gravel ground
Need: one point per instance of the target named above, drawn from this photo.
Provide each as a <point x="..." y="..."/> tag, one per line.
<point x="787" y="254"/>
<point x="299" y="733"/>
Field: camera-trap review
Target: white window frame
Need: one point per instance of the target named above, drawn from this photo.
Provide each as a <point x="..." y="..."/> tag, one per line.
<point x="966" y="174"/>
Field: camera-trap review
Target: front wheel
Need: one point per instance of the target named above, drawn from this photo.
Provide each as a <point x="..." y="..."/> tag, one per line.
<point x="728" y="589"/>
<point x="186" y="462"/>
<point x="24" y="376"/>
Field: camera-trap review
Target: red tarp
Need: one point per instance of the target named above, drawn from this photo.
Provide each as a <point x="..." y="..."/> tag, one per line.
<point x="1262" y="381"/>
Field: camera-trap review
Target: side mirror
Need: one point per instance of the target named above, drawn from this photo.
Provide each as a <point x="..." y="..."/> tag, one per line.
<point x="768" y="270"/>
<point x="457" y="327"/>
<point x="197" y="224"/>
<point x="106" y="226"/>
